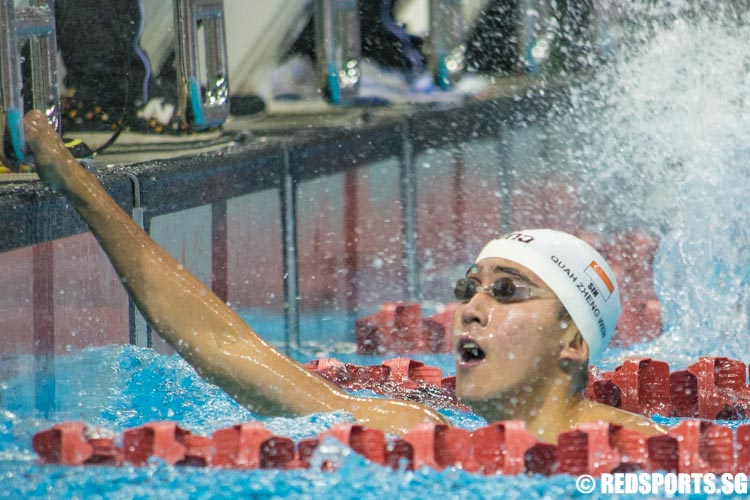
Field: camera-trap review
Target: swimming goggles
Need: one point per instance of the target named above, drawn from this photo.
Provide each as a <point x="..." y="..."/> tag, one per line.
<point x="504" y="290"/>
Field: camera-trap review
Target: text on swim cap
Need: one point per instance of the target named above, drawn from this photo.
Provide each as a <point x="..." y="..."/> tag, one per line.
<point x="565" y="268"/>
<point x="523" y="238"/>
<point x="589" y="291"/>
<point x="600" y="280"/>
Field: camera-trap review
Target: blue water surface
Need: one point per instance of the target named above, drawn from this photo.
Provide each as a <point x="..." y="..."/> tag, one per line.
<point x="119" y="387"/>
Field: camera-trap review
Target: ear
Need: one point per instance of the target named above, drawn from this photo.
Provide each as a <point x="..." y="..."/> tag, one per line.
<point x="574" y="359"/>
<point x="574" y="350"/>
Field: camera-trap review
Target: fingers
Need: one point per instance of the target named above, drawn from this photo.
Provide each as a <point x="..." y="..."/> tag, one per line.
<point x="32" y="122"/>
<point x="54" y="162"/>
<point x="42" y="139"/>
<point x="39" y="134"/>
<point x="35" y="126"/>
<point x="34" y="115"/>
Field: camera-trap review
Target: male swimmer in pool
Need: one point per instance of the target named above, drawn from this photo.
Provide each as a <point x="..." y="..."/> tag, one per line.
<point x="524" y="332"/>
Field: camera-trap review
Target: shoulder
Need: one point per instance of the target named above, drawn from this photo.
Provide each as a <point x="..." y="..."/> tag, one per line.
<point x="589" y="411"/>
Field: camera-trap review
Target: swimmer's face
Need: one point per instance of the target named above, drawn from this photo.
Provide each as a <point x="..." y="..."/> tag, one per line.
<point x="502" y="347"/>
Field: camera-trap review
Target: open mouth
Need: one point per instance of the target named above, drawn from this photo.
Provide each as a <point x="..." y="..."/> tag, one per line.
<point x="469" y="351"/>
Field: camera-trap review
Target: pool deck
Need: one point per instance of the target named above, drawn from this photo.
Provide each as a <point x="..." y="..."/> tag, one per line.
<point x="250" y="154"/>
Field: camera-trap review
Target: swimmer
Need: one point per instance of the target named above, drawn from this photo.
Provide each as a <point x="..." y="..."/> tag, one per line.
<point x="519" y="351"/>
<point x="536" y="308"/>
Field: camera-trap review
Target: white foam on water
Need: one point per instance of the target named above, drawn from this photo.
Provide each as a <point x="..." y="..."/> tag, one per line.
<point x="662" y="138"/>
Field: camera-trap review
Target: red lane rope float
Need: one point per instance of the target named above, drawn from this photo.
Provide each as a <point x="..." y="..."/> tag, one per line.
<point x="713" y="388"/>
<point x="400" y="328"/>
<point x="400" y="378"/>
<point x="500" y="448"/>
<point x="710" y="388"/>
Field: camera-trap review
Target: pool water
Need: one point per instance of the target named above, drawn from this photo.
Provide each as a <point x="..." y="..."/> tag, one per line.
<point x="124" y="386"/>
<point x="118" y="387"/>
<point x="666" y="126"/>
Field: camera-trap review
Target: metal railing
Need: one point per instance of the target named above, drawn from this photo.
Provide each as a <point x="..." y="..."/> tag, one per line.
<point x="31" y="215"/>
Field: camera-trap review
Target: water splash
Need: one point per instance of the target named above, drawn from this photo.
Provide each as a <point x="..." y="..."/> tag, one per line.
<point x="662" y="137"/>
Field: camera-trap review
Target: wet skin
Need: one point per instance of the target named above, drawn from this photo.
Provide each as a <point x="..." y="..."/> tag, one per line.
<point x="192" y="319"/>
<point x="520" y="340"/>
<point x="511" y="359"/>
<point x="529" y="385"/>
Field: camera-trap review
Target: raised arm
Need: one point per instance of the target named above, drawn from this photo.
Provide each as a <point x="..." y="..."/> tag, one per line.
<point x="194" y="321"/>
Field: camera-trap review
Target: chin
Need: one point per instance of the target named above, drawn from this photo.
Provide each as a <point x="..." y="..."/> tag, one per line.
<point x="473" y="392"/>
<point x="478" y="387"/>
<point x="485" y="409"/>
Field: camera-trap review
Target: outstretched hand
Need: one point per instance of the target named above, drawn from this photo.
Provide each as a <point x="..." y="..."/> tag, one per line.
<point x="199" y="325"/>
<point x="53" y="160"/>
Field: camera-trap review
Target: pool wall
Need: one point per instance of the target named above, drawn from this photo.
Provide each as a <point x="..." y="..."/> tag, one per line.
<point x="357" y="207"/>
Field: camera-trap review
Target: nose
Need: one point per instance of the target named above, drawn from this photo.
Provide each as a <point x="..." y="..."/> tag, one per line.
<point x="477" y="310"/>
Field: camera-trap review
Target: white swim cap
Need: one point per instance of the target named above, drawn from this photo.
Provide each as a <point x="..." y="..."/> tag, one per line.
<point x="576" y="273"/>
